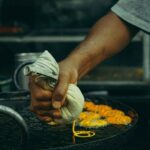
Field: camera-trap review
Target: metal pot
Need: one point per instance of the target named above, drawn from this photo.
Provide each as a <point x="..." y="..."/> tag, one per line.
<point x="21" y="60"/>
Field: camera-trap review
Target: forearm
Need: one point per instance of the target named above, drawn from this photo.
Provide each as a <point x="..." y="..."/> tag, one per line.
<point x="107" y="37"/>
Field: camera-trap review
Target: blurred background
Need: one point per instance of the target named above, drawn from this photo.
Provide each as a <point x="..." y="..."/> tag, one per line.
<point x="31" y="26"/>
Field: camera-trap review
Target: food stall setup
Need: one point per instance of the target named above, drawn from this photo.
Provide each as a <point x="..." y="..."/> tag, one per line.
<point x="117" y="92"/>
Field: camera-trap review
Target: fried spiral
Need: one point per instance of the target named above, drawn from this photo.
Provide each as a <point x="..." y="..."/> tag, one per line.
<point x="92" y="116"/>
<point x="88" y="115"/>
<point x="111" y="113"/>
<point x="93" y="123"/>
<point x="119" y="119"/>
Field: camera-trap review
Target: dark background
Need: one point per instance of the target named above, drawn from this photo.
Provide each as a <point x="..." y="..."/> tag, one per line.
<point x="21" y="18"/>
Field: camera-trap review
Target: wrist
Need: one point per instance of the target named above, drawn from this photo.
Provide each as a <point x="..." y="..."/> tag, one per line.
<point x="68" y="69"/>
<point x="83" y="62"/>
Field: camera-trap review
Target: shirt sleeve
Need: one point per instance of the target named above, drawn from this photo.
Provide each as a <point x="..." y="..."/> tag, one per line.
<point x="135" y="12"/>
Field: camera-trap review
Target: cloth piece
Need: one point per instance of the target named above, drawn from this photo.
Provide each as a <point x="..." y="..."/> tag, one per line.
<point x="45" y="65"/>
<point x="135" y="12"/>
<point x="47" y="71"/>
<point x="75" y="103"/>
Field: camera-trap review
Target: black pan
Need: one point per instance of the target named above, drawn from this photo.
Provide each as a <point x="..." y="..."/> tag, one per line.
<point x="45" y="137"/>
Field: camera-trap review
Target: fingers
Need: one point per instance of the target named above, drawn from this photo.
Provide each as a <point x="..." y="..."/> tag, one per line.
<point x="45" y="118"/>
<point x="41" y="95"/>
<point x="59" y="94"/>
<point x="45" y="115"/>
<point x="68" y="74"/>
<point x="42" y="100"/>
<point x="41" y="105"/>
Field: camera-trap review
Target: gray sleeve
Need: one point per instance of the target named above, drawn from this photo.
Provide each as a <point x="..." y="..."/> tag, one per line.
<point x="135" y="12"/>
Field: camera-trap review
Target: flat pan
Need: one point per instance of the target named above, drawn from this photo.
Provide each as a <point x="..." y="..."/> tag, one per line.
<point x="60" y="137"/>
<point x="45" y="137"/>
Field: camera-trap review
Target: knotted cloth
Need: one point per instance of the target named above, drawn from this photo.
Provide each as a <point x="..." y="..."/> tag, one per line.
<point x="47" y="71"/>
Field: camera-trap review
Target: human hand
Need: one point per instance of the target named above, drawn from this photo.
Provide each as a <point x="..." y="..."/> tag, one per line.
<point x="67" y="74"/>
<point x="41" y="103"/>
<point x="45" y="103"/>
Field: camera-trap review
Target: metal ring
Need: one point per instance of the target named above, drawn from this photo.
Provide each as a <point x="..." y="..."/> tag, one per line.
<point x="16" y="73"/>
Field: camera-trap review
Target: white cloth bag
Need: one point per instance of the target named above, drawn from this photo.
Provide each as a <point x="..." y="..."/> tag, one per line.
<point x="47" y="68"/>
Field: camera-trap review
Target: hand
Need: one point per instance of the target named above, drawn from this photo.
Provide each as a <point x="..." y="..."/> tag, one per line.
<point x="45" y="103"/>
<point x="41" y="103"/>
<point x="68" y="74"/>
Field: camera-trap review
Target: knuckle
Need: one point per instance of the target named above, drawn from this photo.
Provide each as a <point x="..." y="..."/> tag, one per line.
<point x="37" y="105"/>
<point x="34" y="105"/>
<point x="40" y="95"/>
<point x="47" y="94"/>
<point x="59" y="95"/>
<point x="64" y="77"/>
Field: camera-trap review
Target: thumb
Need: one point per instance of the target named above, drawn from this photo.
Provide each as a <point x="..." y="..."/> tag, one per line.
<point x="59" y="94"/>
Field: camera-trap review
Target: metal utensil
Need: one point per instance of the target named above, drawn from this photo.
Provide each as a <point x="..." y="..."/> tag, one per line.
<point x="13" y="129"/>
<point x="21" y="60"/>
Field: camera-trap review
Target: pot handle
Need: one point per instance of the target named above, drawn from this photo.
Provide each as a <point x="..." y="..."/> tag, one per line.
<point x="16" y="73"/>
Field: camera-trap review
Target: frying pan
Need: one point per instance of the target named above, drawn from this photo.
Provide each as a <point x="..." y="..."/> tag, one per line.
<point x="45" y="137"/>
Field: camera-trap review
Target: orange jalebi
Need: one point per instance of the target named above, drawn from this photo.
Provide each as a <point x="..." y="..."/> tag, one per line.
<point x="95" y="123"/>
<point x="93" y="114"/>
<point x="119" y="119"/>
<point x="111" y="113"/>
<point x="88" y="115"/>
